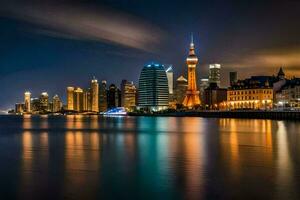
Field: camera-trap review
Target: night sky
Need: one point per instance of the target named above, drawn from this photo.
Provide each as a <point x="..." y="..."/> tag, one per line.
<point x="49" y="46"/>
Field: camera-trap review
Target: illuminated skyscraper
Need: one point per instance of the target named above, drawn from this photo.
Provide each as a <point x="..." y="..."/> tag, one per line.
<point x="169" y="72"/>
<point x="44" y="101"/>
<point x="113" y="96"/>
<point x="87" y="100"/>
<point x="95" y="95"/>
<point x="153" y="91"/>
<point x="192" y="94"/>
<point x="19" y="108"/>
<point x="128" y="93"/>
<point x="180" y="89"/>
<point x="27" y="102"/>
<point x="70" y="98"/>
<point x="78" y="100"/>
<point x="103" y="97"/>
<point x="56" y="104"/>
<point x="214" y="74"/>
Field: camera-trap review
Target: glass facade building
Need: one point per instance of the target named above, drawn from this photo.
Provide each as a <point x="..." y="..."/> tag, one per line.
<point x="153" y="91"/>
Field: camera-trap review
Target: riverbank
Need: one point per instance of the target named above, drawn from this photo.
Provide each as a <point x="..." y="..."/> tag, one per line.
<point x="278" y="115"/>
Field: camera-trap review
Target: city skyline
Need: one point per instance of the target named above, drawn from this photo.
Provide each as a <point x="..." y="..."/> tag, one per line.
<point x="33" y="48"/>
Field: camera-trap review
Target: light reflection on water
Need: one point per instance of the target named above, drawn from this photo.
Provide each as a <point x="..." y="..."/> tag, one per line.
<point x="82" y="157"/>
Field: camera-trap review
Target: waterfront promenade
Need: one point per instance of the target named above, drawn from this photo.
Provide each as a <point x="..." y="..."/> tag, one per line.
<point x="279" y="115"/>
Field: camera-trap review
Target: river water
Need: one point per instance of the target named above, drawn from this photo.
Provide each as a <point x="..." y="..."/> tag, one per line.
<point x="93" y="157"/>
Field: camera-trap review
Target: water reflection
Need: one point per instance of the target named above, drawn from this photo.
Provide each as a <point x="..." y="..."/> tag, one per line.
<point x="84" y="157"/>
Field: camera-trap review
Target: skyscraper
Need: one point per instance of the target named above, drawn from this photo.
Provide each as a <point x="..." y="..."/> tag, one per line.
<point x="87" y="100"/>
<point x="95" y="95"/>
<point x="70" y="98"/>
<point x="103" y="97"/>
<point x="27" y="101"/>
<point x="113" y="96"/>
<point x="204" y="83"/>
<point x="232" y="78"/>
<point x="128" y="93"/>
<point x="192" y="94"/>
<point x="153" y="91"/>
<point x="180" y="89"/>
<point x="44" y="101"/>
<point x="78" y="100"/>
<point x="214" y="74"/>
<point x="56" y="104"/>
<point x="169" y="72"/>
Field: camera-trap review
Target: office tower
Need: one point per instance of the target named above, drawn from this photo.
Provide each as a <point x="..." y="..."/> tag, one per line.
<point x="214" y="73"/>
<point x="113" y="96"/>
<point x="56" y="104"/>
<point x="169" y="72"/>
<point x="78" y="99"/>
<point x="153" y="91"/>
<point x="180" y="89"/>
<point x="128" y="93"/>
<point x="192" y="94"/>
<point x="19" y="108"/>
<point x="204" y="83"/>
<point x="70" y="98"/>
<point x="87" y="100"/>
<point x="232" y="78"/>
<point x="27" y="102"/>
<point x="44" y="101"/>
<point x="103" y="97"/>
<point x="95" y="95"/>
<point x="35" y="105"/>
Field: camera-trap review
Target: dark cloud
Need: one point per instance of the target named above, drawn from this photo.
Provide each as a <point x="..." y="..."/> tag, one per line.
<point x="80" y="21"/>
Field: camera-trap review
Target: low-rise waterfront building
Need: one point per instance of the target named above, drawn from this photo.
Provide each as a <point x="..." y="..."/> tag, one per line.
<point x="250" y="96"/>
<point x="289" y="95"/>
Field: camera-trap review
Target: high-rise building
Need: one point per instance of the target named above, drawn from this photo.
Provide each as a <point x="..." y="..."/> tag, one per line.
<point x="44" y="101"/>
<point x="19" y="108"/>
<point x="27" y="101"/>
<point x="95" y="95"/>
<point x="70" y="98"/>
<point x="153" y="91"/>
<point x="56" y="104"/>
<point x="232" y="78"/>
<point x="78" y="99"/>
<point x="214" y="74"/>
<point x="87" y="100"/>
<point x="192" y="94"/>
<point x="180" y="89"/>
<point x="103" y="97"/>
<point x="204" y="83"/>
<point x="35" y="105"/>
<point x="169" y="72"/>
<point x="113" y="96"/>
<point x="128" y="93"/>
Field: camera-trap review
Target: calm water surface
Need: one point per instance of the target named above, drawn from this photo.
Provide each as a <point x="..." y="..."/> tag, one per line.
<point x="91" y="157"/>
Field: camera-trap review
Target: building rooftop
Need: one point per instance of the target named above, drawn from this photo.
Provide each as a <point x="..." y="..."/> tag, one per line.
<point x="181" y="78"/>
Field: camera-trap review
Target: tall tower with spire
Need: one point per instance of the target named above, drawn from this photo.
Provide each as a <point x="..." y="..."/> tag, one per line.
<point x="192" y="94"/>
